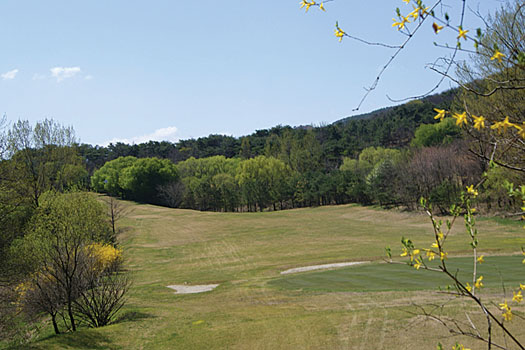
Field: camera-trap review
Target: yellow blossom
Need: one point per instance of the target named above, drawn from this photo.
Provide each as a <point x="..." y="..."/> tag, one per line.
<point x="505" y="124"/>
<point x="522" y="286"/>
<point x="468" y="288"/>
<point x="461" y="118"/>
<point x="462" y="33"/>
<point x="443" y="255"/>
<point x="497" y="56"/>
<point x="507" y="315"/>
<point x="480" y="259"/>
<point x="414" y="14"/>
<point x="521" y="130"/>
<point x="339" y="33"/>
<point x="406" y="1"/>
<point x="479" y="122"/>
<point x="440" y="114"/>
<point x="415" y="252"/>
<point x="478" y="283"/>
<point x="405" y="252"/>
<point x="471" y="190"/>
<point x="504" y="306"/>
<point x="418" y="264"/>
<point x="307" y="4"/>
<point x="431" y="255"/>
<point x="400" y="25"/>
<point x="321" y="6"/>
<point x="517" y="297"/>
<point x="435" y="245"/>
<point x="440" y="235"/>
<point x="437" y="28"/>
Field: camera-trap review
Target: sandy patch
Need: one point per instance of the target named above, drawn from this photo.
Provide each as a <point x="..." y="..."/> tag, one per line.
<point x="187" y="289"/>
<point x="321" y="267"/>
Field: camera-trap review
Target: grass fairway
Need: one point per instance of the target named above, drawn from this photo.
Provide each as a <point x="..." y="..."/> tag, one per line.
<point x="497" y="270"/>
<point x="256" y="308"/>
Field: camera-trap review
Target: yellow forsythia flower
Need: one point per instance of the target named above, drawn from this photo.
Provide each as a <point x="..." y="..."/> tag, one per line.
<point x="468" y="287"/>
<point x="462" y="33"/>
<point x="461" y="118"/>
<point x="479" y="122"/>
<point x="105" y="255"/>
<point x="478" y="283"/>
<point x="339" y="33"/>
<point x="517" y="297"/>
<point x="480" y="259"/>
<point x="471" y="190"/>
<point x="521" y="130"/>
<point x="507" y="315"/>
<point x="418" y="264"/>
<point x="431" y="255"/>
<point x="505" y="124"/>
<point x="497" y="56"/>
<point x="400" y="25"/>
<point x="440" y="114"/>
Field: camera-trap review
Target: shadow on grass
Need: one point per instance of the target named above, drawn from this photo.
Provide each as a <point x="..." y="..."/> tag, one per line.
<point x="130" y="316"/>
<point x="87" y="339"/>
<point x="84" y="339"/>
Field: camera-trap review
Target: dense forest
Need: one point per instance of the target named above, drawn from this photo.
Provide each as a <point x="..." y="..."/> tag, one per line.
<point x="391" y="127"/>
<point x="390" y="157"/>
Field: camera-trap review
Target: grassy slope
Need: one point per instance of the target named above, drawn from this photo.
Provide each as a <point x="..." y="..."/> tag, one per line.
<point x="245" y="253"/>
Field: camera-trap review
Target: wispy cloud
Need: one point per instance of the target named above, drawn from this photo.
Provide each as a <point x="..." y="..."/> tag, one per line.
<point x="9" y="75"/>
<point x="164" y="134"/>
<point x="62" y="73"/>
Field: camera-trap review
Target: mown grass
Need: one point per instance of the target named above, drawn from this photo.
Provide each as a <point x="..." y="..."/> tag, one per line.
<point x="497" y="271"/>
<point x="254" y="308"/>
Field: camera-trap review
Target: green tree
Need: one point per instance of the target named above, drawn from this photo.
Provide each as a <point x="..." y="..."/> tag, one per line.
<point x="52" y="250"/>
<point x="442" y="133"/>
<point x="107" y="178"/>
<point x="43" y="157"/>
<point x="140" y="180"/>
<point x="260" y="181"/>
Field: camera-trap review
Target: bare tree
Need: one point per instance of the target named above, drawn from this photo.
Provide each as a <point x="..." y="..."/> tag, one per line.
<point x="116" y="211"/>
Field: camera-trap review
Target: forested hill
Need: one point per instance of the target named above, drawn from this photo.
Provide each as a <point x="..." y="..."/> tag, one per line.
<point x="443" y="98"/>
<point x="391" y="127"/>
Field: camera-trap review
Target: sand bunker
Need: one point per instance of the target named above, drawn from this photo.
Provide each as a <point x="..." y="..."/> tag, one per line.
<point x="321" y="267"/>
<point x="187" y="289"/>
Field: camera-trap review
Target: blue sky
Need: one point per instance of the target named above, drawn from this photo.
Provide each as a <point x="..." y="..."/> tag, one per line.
<point x="138" y="70"/>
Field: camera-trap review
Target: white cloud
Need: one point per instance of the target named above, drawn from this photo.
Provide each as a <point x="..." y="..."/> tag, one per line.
<point x="61" y="73"/>
<point x="164" y="134"/>
<point x="9" y="75"/>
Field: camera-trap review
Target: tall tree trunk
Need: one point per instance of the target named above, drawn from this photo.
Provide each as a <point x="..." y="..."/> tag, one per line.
<point x="55" y="325"/>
